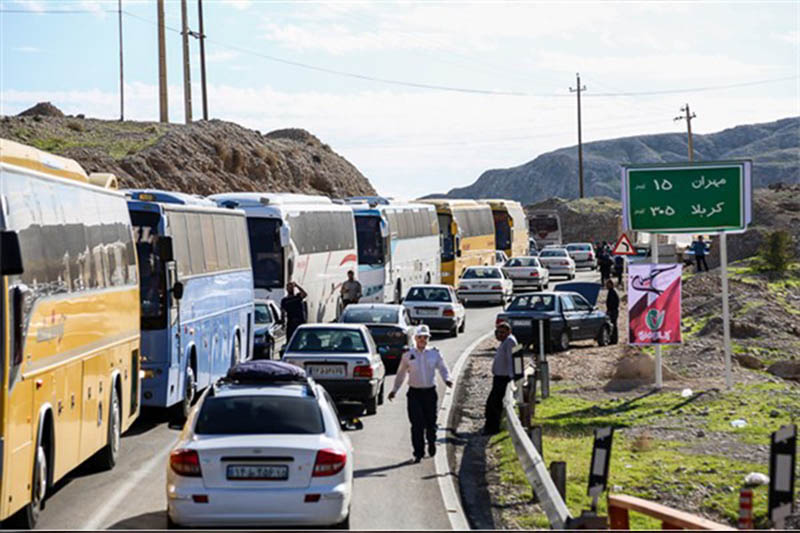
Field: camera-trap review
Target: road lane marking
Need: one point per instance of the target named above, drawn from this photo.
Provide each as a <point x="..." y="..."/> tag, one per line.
<point x="445" y="476"/>
<point x="130" y="484"/>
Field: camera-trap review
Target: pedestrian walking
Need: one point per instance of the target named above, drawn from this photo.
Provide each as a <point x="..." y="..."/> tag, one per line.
<point x="605" y="262"/>
<point x="351" y="289"/>
<point x="612" y="309"/>
<point x="420" y="364"/>
<point x="699" y="249"/>
<point x="293" y="308"/>
<point x="502" y="374"/>
<point x="619" y="268"/>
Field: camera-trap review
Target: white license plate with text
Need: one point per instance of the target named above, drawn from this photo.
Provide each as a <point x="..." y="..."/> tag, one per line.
<point x="326" y="371"/>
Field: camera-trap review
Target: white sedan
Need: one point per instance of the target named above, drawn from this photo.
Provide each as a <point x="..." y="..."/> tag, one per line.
<point x="526" y="273"/>
<point x="485" y="284"/>
<point x="558" y="262"/>
<point x="437" y="306"/>
<point x="259" y="453"/>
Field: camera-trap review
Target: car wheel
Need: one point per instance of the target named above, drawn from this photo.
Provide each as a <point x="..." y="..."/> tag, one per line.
<point x="463" y="325"/>
<point x="181" y="410"/>
<point x="108" y="455"/>
<point x="371" y="405"/>
<point x="344" y="524"/>
<point x="171" y="524"/>
<point x="604" y="337"/>
<point x="454" y="331"/>
<point x="270" y="349"/>
<point x="380" y="394"/>
<point x="563" y="342"/>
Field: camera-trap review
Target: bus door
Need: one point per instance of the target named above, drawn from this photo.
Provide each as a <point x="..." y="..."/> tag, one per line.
<point x="173" y="302"/>
<point x="388" y="256"/>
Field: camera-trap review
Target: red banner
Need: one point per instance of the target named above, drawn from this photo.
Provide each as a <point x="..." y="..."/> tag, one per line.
<point x="654" y="304"/>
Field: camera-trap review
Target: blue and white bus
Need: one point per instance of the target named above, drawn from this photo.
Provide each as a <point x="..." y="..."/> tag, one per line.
<point x="302" y="238"/>
<point x="196" y="294"/>
<point x="398" y="246"/>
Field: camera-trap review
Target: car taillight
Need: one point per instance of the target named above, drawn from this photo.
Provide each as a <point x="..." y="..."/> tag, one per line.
<point x="185" y="463"/>
<point x="362" y="371"/>
<point x="497" y="287"/>
<point x="329" y="462"/>
<point x="564" y="262"/>
<point x="534" y="274"/>
<point x="448" y="312"/>
<point x="463" y="288"/>
<point x="499" y="320"/>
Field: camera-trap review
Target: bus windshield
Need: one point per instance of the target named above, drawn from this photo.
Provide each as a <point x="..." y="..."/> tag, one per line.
<point x="151" y="270"/>
<point x="370" y="242"/>
<point x="502" y="230"/>
<point x="543" y="225"/>
<point x="448" y="242"/>
<point x="266" y="252"/>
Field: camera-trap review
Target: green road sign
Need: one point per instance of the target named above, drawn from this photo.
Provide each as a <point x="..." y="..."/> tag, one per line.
<point x="687" y="197"/>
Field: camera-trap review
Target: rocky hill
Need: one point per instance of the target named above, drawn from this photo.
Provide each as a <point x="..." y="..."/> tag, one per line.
<point x="205" y="157"/>
<point x="774" y="148"/>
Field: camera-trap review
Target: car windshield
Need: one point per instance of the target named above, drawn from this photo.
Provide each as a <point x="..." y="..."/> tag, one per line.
<point x="263" y="315"/>
<point x="553" y="253"/>
<point x="533" y="302"/>
<point x="369" y="315"/>
<point x="481" y="273"/>
<point x="523" y="262"/>
<point x="259" y="415"/>
<point x="579" y="247"/>
<point x="428" y="294"/>
<point x="327" y="340"/>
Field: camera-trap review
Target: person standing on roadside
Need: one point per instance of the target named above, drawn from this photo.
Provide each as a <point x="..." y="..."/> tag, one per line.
<point x="502" y="374"/>
<point x="605" y="263"/>
<point x="619" y="268"/>
<point x="293" y="308"/>
<point x="420" y="364"/>
<point x="351" y="289"/>
<point x="612" y="309"/>
<point x="699" y="249"/>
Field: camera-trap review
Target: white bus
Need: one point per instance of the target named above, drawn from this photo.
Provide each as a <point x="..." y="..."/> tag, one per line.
<point x="545" y="227"/>
<point x="398" y="246"/>
<point x="305" y="239"/>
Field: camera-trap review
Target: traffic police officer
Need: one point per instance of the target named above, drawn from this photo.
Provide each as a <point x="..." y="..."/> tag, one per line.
<point x="421" y="364"/>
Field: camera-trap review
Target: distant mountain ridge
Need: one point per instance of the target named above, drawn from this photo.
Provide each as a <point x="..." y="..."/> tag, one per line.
<point x="774" y="148"/>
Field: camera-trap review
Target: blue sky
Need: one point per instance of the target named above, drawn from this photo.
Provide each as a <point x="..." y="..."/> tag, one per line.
<point x="513" y="63"/>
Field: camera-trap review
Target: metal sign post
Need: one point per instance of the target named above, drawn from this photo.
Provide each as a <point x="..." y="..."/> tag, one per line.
<point x="782" y="457"/>
<point x="598" y="468"/>
<point x="654" y="254"/>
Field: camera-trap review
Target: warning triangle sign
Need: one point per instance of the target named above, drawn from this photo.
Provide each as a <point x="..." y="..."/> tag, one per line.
<point x="623" y="246"/>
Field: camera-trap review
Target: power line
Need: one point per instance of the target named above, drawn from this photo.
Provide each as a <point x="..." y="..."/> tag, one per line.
<point x="697" y="89"/>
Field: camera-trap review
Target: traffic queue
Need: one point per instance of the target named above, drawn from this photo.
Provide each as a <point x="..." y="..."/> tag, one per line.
<point x="118" y="299"/>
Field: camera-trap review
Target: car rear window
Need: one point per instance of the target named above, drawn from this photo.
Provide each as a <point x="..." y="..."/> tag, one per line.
<point x="259" y="415"/>
<point x="523" y="262"/>
<point x="327" y="340"/>
<point x="428" y="294"/>
<point x="370" y="316"/>
<point x="553" y="253"/>
<point x="532" y="302"/>
<point x="579" y="247"/>
<point x="481" y="273"/>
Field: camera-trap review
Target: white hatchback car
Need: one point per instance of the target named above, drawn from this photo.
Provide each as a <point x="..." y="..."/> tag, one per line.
<point x="485" y="284"/>
<point x="261" y="452"/>
<point x="437" y="306"/>
<point x="558" y="262"/>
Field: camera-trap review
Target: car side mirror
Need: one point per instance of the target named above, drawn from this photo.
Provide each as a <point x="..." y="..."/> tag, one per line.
<point x="177" y="290"/>
<point x="164" y="248"/>
<point x="12" y="255"/>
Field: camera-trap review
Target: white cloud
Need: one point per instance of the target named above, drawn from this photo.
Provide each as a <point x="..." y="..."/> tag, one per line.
<point x="26" y="49"/>
<point x="239" y="5"/>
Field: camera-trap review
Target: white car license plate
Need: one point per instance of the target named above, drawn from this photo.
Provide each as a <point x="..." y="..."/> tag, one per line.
<point x="427" y="312"/>
<point x="326" y="371"/>
<point x="258" y="472"/>
<point x="521" y="322"/>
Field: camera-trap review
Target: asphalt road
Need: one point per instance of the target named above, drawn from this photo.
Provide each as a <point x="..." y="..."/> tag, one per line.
<point x="389" y="491"/>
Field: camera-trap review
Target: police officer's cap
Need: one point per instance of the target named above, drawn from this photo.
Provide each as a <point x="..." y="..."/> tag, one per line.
<point x="422" y="331"/>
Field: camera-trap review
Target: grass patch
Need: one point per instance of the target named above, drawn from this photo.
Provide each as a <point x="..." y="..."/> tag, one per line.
<point x="693" y="325"/>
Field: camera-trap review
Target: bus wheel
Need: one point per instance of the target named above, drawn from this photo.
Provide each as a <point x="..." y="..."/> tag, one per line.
<point x="181" y="410"/>
<point x="108" y="455"/>
<point x="27" y="517"/>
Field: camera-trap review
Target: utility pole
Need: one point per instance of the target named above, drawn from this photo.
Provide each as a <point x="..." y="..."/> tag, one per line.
<point x="580" y="143"/>
<point x="162" y="65"/>
<point x="121" y="79"/>
<point x="187" y="83"/>
<point x="202" y="37"/>
<point x="688" y="118"/>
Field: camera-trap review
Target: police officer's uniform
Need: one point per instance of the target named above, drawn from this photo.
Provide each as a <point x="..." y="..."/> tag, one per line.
<point x="421" y="368"/>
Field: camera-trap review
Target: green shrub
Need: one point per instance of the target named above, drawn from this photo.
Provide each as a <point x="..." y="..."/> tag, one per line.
<point x="777" y="252"/>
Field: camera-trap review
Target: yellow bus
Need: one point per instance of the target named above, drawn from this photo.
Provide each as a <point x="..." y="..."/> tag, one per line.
<point x="466" y="229"/>
<point x="510" y="227"/>
<point x="69" y="365"/>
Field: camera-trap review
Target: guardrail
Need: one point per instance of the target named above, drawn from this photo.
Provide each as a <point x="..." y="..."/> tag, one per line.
<point x="620" y="504"/>
<point x="535" y="470"/>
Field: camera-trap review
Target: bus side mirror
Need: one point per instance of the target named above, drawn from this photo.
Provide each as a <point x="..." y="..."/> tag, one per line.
<point x="164" y="248"/>
<point x="284" y="236"/>
<point x="12" y="255"/>
<point x="384" y="229"/>
<point x="177" y="290"/>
